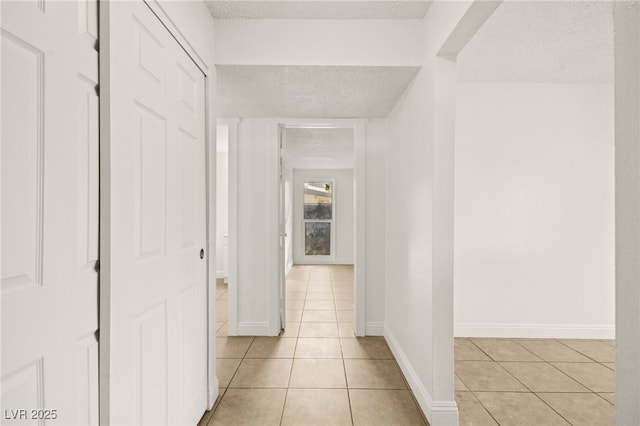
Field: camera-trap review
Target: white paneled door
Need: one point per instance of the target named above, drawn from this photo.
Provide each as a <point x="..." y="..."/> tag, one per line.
<point x="49" y="212"/>
<point x="154" y="312"/>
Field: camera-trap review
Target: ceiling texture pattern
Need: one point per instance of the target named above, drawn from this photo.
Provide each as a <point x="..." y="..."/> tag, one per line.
<point x="542" y="42"/>
<point x="319" y="148"/>
<point x="327" y="9"/>
<point x="310" y="91"/>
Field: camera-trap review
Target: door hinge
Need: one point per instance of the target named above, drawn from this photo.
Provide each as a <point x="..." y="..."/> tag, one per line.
<point x="96" y="266"/>
<point x="96" y="334"/>
<point x="97" y="90"/>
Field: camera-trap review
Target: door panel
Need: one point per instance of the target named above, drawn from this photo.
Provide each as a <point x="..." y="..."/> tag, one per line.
<point x="154" y="332"/>
<point x="49" y="210"/>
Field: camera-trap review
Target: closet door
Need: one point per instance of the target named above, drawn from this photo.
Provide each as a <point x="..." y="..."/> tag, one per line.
<point x="154" y="342"/>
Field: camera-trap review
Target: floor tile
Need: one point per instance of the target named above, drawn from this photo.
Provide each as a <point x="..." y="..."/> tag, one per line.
<point x="319" y="329"/>
<point x="272" y="347"/>
<point x="291" y="329"/>
<point x="320" y="274"/>
<point x="316" y="407"/>
<point x="519" y="409"/>
<point x="596" y="377"/>
<point x="542" y="377"/>
<point x="505" y="350"/>
<point x="249" y="407"/>
<point x="459" y="384"/>
<point x="318" y="347"/>
<point x="581" y="409"/>
<point x="232" y="347"/>
<point x="344" y="305"/>
<point x="320" y="296"/>
<point x="609" y="396"/>
<point x="317" y="373"/>
<point x="344" y="316"/>
<point x="366" y="347"/>
<point x="319" y="305"/>
<point x="295" y="305"/>
<point x="296" y="295"/>
<point x="471" y="412"/>
<point x="610" y="365"/>
<point x="294" y="316"/>
<point x="346" y="329"/>
<point x="373" y="374"/>
<point x="225" y="369"/>
<point x="466" y="350"/>
<point x="262" y="373"/>
<point x="318" y="316"/>
<point x="553" y="351"/>
<point x="343" y="295"/>
<point x="487" y="376"/>
<point x="384" y="408"/>
<point x="594" y="349"/>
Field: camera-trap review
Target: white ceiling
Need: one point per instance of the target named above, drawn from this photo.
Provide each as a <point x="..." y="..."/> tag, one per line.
<point x="327" y="9"/>
<point x="319" y="148"/>
<point x="309" y="91"/>
<point x="542" y="42"/>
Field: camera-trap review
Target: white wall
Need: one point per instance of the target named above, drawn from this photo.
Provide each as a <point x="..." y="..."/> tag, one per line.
<point x="222" y="195"/>
<point x="257" y="198"/>
<point x="375" y="224"/>
<point x="417" y="300"/>
<point x="318" y="42"/>
<point x="627" y="64"/>
<point x="534" y="203"/>
<point x="343" y="209"/>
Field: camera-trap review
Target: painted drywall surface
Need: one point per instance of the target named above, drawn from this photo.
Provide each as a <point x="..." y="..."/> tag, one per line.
<point x="288" y="218"/>
<point x="318" y="42"/>
<point x="375" y="211"/>
<point x="222" y="195"/>
<point x="254" y="222"/>
<point x="627" y="187"/>
<point x="534" y="203"/>
<point x="343" y="209"/>
<point x="410" y="318"/>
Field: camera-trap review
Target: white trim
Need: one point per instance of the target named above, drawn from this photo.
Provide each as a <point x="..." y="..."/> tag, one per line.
<point x="213" y="390"/>
<point x="439" y="413"/>
<point x="253" y="328"/>
<point x="232" y="320"/>
<point x="374" y="328"/>
<point x="537" y="331"/>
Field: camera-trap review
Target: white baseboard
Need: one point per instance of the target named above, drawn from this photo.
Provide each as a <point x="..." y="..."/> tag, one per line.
<point x="374" y="328"/>
<point x="253" y="328"/>
<point x="219" y="274"/>
<point x="212" y="393"/>
<point x="439" y="413"/>
<point x="537" y="331"/>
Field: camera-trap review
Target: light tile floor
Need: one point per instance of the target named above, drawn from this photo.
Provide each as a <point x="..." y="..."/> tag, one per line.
<point x="316" y="372"/>
<point x="535" y="382"/>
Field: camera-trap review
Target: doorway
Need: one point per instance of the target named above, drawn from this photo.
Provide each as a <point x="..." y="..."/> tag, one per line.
<point x="304" y="148"/>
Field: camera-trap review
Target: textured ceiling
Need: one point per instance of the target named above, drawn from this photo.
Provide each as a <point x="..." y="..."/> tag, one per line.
<point x="542" y="41"/>
<point x="307" y="9"/>
<point x="309" y="91"/>
<point x="319" y="148"/>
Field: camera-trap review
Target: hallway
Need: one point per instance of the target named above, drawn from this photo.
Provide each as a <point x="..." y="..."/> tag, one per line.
<point x="316" y="372"/>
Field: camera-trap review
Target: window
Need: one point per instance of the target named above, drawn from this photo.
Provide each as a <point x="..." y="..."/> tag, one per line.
<point x="318" y="218"/>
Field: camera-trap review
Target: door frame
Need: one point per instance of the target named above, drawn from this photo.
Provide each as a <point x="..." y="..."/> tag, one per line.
<point x="105" y="202"/>
<point x="359" y="229"/>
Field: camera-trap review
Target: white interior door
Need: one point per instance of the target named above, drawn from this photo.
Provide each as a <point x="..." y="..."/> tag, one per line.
<point x="154" y="310"/>
<point x="49" y="212"/>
